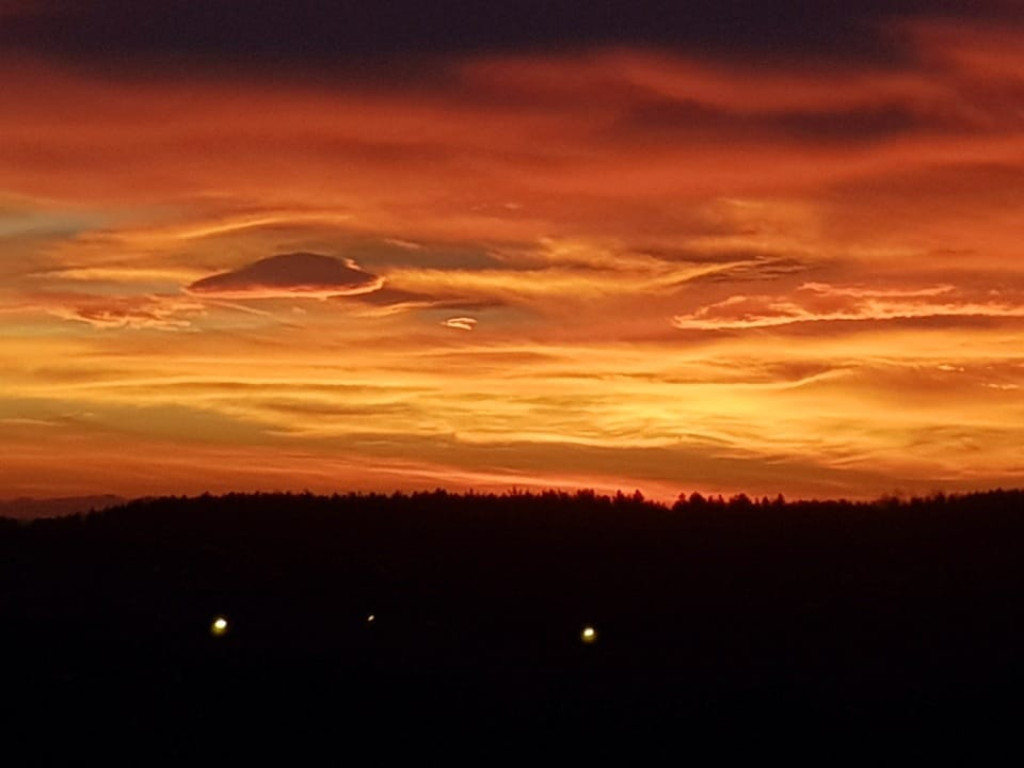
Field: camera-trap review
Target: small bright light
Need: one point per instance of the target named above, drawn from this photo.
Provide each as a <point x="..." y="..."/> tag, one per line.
<point x="588" y="635"/>
<point x="219" y="626"/>
<point x="371" y="618"/>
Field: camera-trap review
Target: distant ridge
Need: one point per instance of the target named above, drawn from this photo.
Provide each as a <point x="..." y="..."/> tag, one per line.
<point x="29" y="508"/>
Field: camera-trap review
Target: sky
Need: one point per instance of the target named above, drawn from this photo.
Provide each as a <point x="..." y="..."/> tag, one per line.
<point x="708" y="246"/>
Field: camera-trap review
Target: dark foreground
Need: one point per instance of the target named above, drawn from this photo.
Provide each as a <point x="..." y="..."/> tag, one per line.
<point x="823" y="632"/>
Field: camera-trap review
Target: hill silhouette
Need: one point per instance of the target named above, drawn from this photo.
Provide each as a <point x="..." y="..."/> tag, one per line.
<point x="26" y="508"/>
<point x="710" y="616"/>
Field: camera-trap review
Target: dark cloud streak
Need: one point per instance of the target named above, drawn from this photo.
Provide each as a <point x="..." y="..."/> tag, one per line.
<point x="290" y="275"/>
<point x="672" y="121"/>
<point x="353" y="34"/>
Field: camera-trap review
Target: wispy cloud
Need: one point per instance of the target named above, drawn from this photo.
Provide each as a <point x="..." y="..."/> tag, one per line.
<point x="818" y="302"/>
<point x="162" y="313"/>
<point x="460" y="323"/>
<point x="847" y="214"/>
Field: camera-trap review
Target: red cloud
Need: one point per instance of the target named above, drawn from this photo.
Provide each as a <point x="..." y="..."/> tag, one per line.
<point x="162" y="313"/>
<point x="290" y="275"/>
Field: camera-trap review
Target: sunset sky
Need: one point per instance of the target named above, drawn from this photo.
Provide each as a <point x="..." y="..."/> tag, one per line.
<point x="705" y="246"/>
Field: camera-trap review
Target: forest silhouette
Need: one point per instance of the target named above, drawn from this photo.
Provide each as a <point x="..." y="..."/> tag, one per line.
<point x="427" y="612"/>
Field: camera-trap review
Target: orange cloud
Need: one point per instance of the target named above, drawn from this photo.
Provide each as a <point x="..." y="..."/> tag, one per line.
<point x="850" y="231"/>
<point x="163" y="313"/>
<point x="817" y="302"/>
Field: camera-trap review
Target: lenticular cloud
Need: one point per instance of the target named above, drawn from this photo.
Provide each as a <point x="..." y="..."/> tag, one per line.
<point x="290" y="275"/>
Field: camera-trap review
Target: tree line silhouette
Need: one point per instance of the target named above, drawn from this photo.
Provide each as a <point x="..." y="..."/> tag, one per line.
<point x="707" y="612"/>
